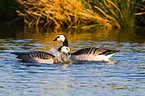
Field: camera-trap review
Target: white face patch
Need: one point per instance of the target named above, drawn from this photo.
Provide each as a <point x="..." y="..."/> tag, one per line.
<point x="60" y="38"/>
<point x="65" y="49"/>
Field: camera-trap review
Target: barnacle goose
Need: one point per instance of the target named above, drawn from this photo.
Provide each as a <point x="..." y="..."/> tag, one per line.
<point x="39" y="56"/>
<point x="87" y="54"/>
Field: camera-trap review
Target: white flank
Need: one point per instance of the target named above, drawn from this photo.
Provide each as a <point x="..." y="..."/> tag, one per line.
<point x="89" y="57"/>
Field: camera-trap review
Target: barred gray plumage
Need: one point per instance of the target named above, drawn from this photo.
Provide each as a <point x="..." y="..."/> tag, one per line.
<point x="93" y="54"/>
<point x="32" y="56"/>
<point x="94" y="51"/>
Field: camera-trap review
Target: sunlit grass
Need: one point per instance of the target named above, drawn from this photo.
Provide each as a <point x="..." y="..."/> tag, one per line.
<point x="80" y="13"/>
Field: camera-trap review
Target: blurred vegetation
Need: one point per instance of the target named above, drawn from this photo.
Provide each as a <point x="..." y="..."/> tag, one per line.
<point x="74" y="13"/>
<point x="8" y="14"/>
<point x="140" y="19"/>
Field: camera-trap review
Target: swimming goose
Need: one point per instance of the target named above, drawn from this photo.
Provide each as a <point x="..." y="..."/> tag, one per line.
<point x="87" y="54"/>
<point x="39" y="57"/>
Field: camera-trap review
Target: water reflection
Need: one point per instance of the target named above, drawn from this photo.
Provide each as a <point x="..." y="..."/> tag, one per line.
<point x="44" y="35"/>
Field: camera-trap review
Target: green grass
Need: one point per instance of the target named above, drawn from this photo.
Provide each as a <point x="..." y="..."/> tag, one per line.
<point x="120" y="13"/>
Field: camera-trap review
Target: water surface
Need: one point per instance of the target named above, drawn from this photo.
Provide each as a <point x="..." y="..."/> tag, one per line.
<point x="125" y="76"/>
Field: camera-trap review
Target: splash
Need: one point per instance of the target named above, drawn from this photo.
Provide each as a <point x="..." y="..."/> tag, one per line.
<point x="66" y="58"/>
<point x="60" y="57"/>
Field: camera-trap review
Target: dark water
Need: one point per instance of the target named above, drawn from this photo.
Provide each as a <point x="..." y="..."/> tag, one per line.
<point x="124" y="77"/>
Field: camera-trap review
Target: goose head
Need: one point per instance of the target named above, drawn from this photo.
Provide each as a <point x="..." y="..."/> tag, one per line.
<point x="64" y="49"/>
<point x="62" y="38"/>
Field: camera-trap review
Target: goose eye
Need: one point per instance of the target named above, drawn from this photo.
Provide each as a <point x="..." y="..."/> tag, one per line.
<point x="67" y="49"/>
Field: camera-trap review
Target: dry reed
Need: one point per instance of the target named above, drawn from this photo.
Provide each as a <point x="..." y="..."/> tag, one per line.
<point x="78" y="13"/>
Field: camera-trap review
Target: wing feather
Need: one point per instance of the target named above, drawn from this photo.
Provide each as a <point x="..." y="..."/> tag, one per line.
<point x="94" y="51"/>
<point x="40" y="55"/>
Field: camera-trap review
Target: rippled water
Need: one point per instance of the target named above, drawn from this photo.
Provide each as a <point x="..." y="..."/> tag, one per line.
<point x="125" y="76"/>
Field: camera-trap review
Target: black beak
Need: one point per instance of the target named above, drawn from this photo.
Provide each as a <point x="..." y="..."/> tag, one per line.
<point x="59" y="49"/>
<point x="55" y="39"/>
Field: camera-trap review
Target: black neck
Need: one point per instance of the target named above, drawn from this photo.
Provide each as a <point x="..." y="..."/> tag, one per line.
<point x="59" y="49"/>
<point x="65" y="43"/>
